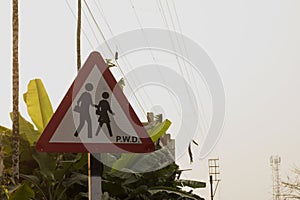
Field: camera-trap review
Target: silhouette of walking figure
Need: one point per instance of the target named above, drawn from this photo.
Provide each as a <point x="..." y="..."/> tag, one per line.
<point x="83" y="107"/>
<point x="102" y="110"/>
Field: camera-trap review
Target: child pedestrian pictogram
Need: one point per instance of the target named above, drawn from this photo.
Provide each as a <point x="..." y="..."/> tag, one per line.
<point x="102" y="110"/>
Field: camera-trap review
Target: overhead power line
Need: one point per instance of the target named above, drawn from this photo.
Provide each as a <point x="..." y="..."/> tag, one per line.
<point x="204" y="121"/>
<point x="164" y="18"/>
<point x="152" y="55"/>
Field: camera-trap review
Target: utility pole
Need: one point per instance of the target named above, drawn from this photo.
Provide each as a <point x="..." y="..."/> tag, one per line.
<point x="214" y="176"/>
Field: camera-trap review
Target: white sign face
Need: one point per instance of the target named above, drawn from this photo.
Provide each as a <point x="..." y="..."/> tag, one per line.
<point x="95" y="116"/>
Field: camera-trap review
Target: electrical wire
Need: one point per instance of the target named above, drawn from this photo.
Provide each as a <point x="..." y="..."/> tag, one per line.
<point x="161" y="10"/>
<point x="205" y="120"/>
<point x="143" y="31"/>
<point x="152" y="55"/>
<point x="91" y="27"/>
<point x="141" y="27"/>
<point x="204" y="123"/>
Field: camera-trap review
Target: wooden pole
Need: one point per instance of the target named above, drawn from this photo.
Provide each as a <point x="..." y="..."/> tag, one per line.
<point x="78" y="36"/>
<point x="15" y="84"/>
<point x="95" y="167"/>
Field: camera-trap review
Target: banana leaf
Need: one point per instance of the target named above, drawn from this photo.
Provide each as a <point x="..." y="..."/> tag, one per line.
<point x="169" y="190"/>
<point x="159" y="130"/>
<point x="190" y="183"/>
<point x="38" y="104"/>
<point x="27" y="130"/>
<point x="23" y="192"/>
<point x="4" y="130"/>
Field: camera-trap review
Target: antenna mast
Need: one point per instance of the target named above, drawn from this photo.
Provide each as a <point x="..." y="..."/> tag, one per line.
<point x="214" y="176"/>
<point x="275" y="163"/>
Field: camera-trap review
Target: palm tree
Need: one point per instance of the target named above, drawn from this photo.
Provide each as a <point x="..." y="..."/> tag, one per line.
<point x="15" y="82"/>
<point x="78" y="35"/>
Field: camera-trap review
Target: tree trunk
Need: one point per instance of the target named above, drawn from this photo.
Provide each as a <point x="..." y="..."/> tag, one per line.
<point x="15" y="70"/>
<point x="78" y="35"/>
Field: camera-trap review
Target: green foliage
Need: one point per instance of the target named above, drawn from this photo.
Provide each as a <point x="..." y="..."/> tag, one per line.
<point x="27" y="130"/>
<point x="23" y="192"/>
<point x="3" y="192"/>
<point x="160" y="184"/>
<point x="56" y="175"/>
<point x="175" y="193"/>
<point x="4" y="129"/>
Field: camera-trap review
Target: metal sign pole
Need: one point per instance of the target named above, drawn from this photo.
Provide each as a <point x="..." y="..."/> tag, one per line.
<point x="211" y="187"/>
<point x="95" y="173"/>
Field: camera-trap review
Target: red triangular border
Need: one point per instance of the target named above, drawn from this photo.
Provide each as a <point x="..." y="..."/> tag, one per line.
<point x="43" y="143"/>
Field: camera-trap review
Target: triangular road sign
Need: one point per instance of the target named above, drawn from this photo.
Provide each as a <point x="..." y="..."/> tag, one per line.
<point x="95" y="116"/>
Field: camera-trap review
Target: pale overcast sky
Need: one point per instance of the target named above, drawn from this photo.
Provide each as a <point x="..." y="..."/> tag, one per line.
<point x="253" y="44"/>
